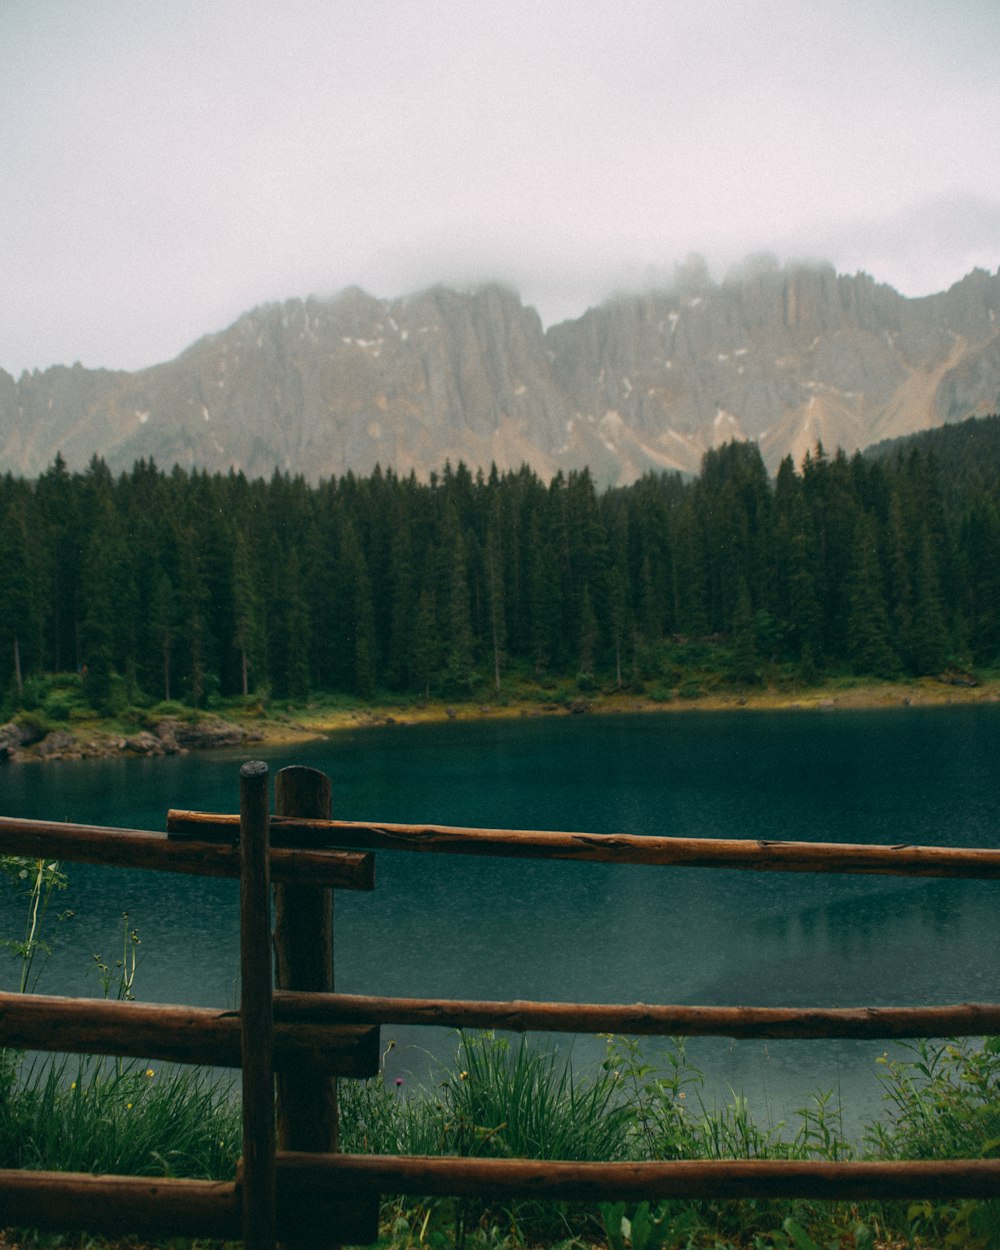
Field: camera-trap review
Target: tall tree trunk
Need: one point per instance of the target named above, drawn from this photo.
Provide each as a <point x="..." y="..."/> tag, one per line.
<point x="18" y="676"/>
<point x="495" y="631"/>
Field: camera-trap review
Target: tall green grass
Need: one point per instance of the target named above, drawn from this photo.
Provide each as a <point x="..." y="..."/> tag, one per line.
<point x="90" y="1115"/>
<point x="515" y="1099"/>
<point x="95" y="1114"/>
<point x="512" y="1099"/>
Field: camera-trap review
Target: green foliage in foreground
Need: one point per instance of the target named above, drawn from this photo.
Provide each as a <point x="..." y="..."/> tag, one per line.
<point x="509" y="1099"/>
<point x="101" y="1116"/>
<point x="505" y="1099"/>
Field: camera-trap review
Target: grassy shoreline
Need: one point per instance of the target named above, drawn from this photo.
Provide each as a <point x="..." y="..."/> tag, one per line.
<point x="277" y="723"/>
<point x="501" y="1098"/>
<point x="317" y="720"/>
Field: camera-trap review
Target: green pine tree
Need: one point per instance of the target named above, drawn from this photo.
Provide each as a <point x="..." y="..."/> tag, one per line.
<point x="425" y="654"/>
<point x="163" y="624"/>
<point x="248" y="633"/>
<point x="20" y="617"/>
<point x="495" y="595"/>
<point x="930" y="642"/>
<point x="869" y="637"/>
<point x="745" y="668"/>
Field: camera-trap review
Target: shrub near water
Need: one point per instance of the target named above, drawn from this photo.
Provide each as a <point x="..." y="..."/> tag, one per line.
<point x="518" y="1101"/>
<point x="944" y="1102"/>
<point x="497" y="1100"/>
<point x="509" y="1099"/>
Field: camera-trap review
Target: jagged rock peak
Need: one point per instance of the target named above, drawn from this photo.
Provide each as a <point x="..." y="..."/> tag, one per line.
<point x="786" y="355"/>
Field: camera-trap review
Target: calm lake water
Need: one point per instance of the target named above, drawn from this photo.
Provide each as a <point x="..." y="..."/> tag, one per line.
<point x="454" y="927"/>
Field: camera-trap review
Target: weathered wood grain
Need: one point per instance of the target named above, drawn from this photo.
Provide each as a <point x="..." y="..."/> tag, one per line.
<point x="177" y="1034"/>
<point x="140" y="848"/>
<point x="257" y="1034"/>
<point x="962" y="1019"/>
<point x="303" y="949"/>
<point x="752" y="855"/>
<point x="149" y="1206"/>
<point x="303" y="1175"/>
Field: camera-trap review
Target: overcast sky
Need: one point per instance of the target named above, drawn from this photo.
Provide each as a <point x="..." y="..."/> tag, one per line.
<point x="166" y="166"/>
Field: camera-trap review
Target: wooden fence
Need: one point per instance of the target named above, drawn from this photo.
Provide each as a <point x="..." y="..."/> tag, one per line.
<point x="293" y="1033"/>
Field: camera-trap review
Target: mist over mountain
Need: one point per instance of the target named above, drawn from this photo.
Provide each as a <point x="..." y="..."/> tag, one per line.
<point x="787" y="356"/>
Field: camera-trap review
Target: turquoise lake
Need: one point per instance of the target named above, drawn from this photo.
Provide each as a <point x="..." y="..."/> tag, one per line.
<point x="458" y="927"/>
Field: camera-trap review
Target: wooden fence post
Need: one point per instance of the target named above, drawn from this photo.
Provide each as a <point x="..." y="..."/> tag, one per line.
<point x="303" y="940"/>
<point x="256" y="1012"/>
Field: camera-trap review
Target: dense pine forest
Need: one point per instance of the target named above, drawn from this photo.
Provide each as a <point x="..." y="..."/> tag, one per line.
<point x="195" y="587"/>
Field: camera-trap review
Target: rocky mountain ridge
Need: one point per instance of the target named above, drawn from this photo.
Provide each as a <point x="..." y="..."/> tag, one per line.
<point x="784" y="355"/>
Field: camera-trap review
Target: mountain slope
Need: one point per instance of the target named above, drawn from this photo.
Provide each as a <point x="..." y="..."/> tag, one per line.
<point x="786" y="356"/>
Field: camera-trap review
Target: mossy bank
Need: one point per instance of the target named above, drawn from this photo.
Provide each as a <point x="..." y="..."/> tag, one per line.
<point x="169" y="729"/>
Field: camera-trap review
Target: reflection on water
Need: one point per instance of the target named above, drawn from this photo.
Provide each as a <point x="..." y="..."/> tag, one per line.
<point x="454" y="927"/>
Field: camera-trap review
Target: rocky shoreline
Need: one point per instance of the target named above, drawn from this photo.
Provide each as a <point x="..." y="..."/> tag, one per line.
<point x="23" y="741"/>
<point x="27" y="739"/>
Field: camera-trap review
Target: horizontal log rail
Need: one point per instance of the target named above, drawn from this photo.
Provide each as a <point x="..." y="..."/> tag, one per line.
<point x="304" y="1177"/>
<point x="963" y="1019"/>
<point x="160" y="1207"/>
<point x="198" y="1035"/>
<point x="320" y="1032"/>
<point x="753" y="855"/>
<point x="143" y="1205"/>
<point x="140" y="848"/>
<point x="339" y="1032"/>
